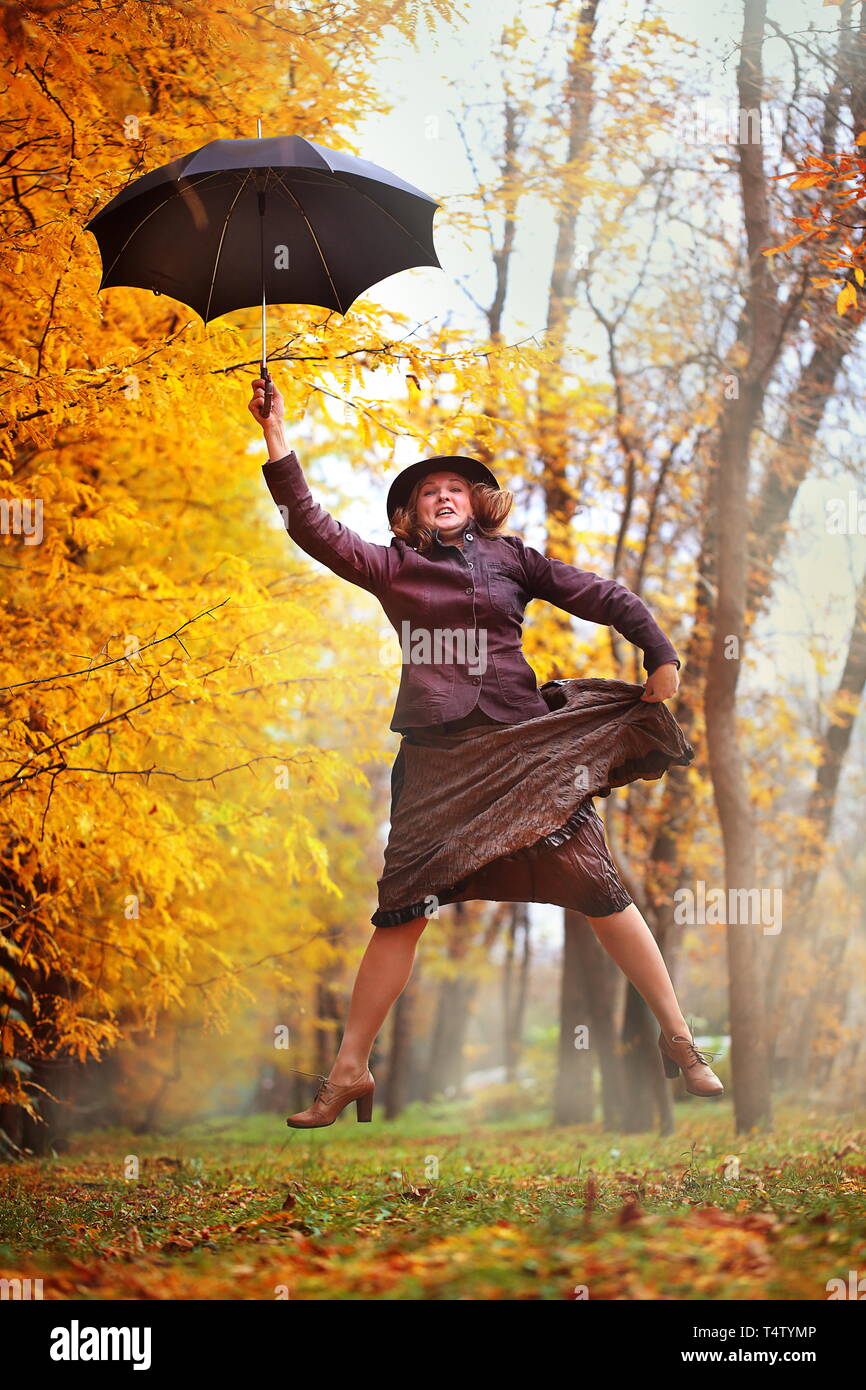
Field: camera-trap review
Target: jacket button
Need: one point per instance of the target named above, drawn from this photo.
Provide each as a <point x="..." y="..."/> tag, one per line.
<point x="469" y="535"/>
<point x="476" y="680"/>
<point x="469" y="591"/>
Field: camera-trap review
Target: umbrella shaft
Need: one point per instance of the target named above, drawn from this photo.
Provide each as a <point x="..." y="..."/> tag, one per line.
<point x="264" y="302"/>
<point x="269" y="389"/>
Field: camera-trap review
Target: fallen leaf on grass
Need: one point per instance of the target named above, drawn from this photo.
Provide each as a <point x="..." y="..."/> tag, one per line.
<point x="590" y="1194"/>
<point x="629" y="1212"/>
<point x="415" y="1194"/>
<point x="275" y="1216"/>
<point x="134" y="1241"/>
<point x="178" y="1243"/>
<point x="849" y="1147"/>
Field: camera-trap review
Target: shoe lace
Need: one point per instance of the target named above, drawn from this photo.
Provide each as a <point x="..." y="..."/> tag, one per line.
<point x="325" y="1083"/>
<point x="697" y="1056"/>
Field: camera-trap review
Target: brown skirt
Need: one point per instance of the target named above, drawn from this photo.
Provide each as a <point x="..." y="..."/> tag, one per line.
<point x="504" y="813"/>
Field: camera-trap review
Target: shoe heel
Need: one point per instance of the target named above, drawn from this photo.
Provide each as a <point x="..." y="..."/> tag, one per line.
<point x="364" y="1108"/>
<point x="672" y="1071"/>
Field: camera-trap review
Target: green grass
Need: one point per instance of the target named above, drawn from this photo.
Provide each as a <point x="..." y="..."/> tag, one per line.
<point x="436" y="1207"/>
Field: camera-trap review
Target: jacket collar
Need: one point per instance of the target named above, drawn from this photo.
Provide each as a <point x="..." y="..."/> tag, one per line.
<point x="468" y="532"/>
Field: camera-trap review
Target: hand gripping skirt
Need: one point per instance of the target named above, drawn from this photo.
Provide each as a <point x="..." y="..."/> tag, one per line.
<point x="504" y="812"/>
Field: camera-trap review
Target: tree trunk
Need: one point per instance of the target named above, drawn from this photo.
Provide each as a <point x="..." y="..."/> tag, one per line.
<point x="760" y="332"/>
<point x="604" y="984"/>
<point x="445" y="1070"/>
<point x="573" y="1101"/>
<point x="515" y="977"/>
<point x="800" y="890"/>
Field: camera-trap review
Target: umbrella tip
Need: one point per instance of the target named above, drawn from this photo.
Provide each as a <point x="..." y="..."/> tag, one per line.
<point x="259" y="128"/>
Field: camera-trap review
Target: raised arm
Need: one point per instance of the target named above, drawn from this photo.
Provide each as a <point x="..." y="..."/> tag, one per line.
<point x="309" y="525"/>
<point x="587" y="595"/>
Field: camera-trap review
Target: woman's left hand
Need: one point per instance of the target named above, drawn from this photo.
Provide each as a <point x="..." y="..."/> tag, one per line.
<point x="662" y="684"/>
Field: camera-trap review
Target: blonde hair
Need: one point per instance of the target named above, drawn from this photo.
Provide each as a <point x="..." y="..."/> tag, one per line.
<point x="490" y="507"/>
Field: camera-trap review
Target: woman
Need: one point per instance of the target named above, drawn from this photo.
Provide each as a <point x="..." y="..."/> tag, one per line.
<point x="491" y="789"/>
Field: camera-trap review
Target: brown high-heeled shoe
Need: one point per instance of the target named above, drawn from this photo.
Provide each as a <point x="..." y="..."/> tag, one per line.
<point x="330" y="1100"/>
<point x="679" y="1054"/>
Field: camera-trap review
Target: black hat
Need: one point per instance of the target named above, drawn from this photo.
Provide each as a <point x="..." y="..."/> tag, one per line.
<point x="473" y="470"/>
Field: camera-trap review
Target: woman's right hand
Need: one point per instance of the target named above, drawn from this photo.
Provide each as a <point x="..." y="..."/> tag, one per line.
<point x="273" y="425"/>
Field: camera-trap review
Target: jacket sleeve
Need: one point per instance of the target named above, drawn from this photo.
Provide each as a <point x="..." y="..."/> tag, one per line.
<point x="598" y="600"/>
<point x="320" y="535"/>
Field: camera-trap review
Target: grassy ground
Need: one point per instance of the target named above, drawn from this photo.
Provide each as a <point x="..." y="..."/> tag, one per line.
<point x="433" y="1207"/>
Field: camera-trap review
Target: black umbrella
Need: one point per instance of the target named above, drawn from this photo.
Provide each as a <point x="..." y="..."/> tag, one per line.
<point x="244" y="222"/>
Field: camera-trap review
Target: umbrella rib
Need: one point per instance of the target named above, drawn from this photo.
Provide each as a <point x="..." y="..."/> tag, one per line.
<point x="152" y="213"/>
<point x="390" y="215"/>
<point x="313" y="235"/>
<point x="222" y="239"/>
<point x="376" y="205"/>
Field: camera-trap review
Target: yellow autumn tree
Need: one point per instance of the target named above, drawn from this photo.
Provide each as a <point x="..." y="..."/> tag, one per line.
<point x="172" y="671"/>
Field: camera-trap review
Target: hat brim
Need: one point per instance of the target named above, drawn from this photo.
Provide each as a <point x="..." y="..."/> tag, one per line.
<point x="473" y="470"/>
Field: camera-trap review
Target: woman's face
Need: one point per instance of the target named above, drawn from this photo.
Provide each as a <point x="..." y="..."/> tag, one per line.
<point x="444" y="502"/>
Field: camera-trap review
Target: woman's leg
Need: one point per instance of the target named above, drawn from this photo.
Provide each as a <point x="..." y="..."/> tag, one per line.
<point x="627" y="938"/>
<point x="382" y="976"/>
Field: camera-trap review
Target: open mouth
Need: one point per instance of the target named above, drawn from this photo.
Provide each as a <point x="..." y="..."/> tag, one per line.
<point x="445" y="511"/>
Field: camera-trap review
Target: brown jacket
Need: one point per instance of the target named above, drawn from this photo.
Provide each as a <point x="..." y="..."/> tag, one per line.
<point x="459" y="613"/>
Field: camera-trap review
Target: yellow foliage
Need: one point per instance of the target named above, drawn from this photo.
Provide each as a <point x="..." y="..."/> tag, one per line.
<point x="164" y="649"/>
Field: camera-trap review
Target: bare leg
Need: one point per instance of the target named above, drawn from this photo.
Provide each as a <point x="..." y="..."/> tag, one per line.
<point x="382" y="976"/>
<point x="627" y="938"/>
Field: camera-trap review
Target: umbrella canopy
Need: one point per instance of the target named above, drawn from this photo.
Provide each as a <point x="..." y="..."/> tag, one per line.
<point x="240" y="222"/>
